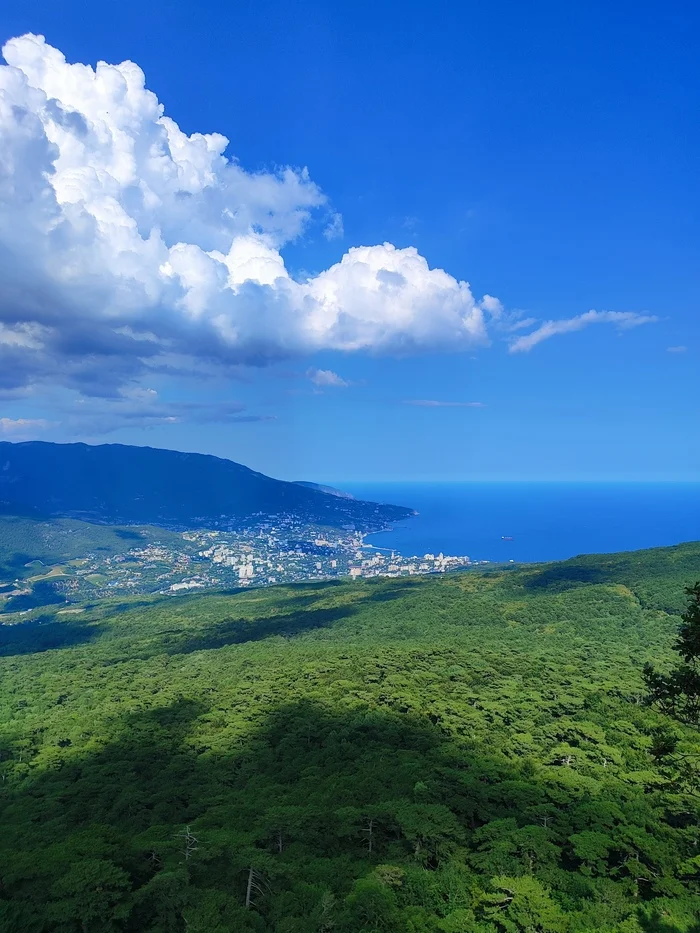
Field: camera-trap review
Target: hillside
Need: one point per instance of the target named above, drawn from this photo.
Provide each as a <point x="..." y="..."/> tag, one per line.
<point x="118" y="484"/>
<point x="329" y="490"/>
<point x="28" y="542"/>
<point x="466" y="754"/>
<point x="42" y="561"/>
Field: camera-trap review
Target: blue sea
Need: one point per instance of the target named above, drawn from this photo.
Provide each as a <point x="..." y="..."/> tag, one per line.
<point x="546" y="521"/>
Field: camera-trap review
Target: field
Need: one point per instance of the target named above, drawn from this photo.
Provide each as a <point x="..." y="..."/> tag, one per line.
<point x="435" y="755"/>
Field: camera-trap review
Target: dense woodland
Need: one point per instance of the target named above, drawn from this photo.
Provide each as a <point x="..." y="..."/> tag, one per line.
<point x="476" y="753"/>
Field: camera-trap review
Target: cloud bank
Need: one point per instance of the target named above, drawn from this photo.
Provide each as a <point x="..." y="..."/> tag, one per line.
<point x="134" y="408"/>
<point x="19" y="428"/>
<point x="127" y="246"/>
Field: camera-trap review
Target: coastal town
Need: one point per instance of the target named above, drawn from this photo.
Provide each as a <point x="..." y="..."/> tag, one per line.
<point x="270" y="551"/>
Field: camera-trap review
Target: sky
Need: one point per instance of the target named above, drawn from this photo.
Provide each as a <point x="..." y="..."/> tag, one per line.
<point x="368" y="241"/>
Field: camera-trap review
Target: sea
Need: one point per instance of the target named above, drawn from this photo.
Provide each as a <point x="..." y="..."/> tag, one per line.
<point x="526" y="522"/>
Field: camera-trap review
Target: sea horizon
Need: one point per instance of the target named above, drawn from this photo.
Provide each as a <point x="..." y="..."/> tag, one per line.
<point x="535" y="520"/>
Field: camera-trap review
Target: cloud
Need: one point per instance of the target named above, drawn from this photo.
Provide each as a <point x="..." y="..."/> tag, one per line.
<point x="130" y="249"/>
<point x="327" y="378"/>
<point x="334" y="228"/>
<point x="136" y="408"/>
<point x="433" y="403"/>
<point x="513" y="321"/>
<point x="623" y="320"/>
<point x="141" y="408"/>
<point x="676" y="349"/>
<point x="127" y="246"/>
<point x="22" y="426"/>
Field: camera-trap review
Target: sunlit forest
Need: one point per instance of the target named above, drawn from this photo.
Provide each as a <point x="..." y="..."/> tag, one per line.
<point x="474" y="753"/>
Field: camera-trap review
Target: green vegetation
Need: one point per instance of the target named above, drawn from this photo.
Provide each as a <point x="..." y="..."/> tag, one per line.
<point x="678" y="693"/>
<point x="28" y="546"/>
<point x="37" y="554"/>
<point x="464" y="754"/>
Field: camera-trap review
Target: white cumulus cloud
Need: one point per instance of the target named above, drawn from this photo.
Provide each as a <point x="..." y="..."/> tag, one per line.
<point x="127" y="245"/>
<point x="623" y="320"/>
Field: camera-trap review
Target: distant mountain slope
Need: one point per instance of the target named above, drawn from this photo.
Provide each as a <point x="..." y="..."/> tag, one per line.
<point x="115" y="483"/>
<point x="329" y="490"/>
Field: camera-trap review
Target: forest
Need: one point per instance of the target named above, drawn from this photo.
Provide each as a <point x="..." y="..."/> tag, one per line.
<point x="473" y="753"/>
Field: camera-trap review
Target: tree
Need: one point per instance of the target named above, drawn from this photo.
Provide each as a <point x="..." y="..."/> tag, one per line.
<point x="93" y="893"/>
<point x="522" y="904"/>
<point x="688" y="643"/>
<point x="371" y="907"/>
<point x="678" y="693"/>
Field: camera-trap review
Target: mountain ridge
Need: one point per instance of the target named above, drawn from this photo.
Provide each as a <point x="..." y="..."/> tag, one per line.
<point x="122" y="484"/>
<point x="320" y="487"/>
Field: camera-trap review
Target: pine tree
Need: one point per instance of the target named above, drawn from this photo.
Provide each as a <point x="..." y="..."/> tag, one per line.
<point x="678" y="693"/>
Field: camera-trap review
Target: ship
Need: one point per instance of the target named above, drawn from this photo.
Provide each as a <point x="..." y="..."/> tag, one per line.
<point x="506" y="537"/>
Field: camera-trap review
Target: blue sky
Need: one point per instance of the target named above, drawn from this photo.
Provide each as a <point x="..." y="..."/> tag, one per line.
<point x="546" y="154"/>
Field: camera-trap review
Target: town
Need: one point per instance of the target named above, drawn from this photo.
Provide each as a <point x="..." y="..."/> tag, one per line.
<point x="273" y="550"/>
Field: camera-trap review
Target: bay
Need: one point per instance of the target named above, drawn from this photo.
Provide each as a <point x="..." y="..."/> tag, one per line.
<point x="535" y="521"/>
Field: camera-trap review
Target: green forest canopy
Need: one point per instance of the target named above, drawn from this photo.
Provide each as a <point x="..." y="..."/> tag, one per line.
<point x="436" y="755"/>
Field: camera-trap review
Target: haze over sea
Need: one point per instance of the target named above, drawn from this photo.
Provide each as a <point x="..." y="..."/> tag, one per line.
<point x="546" y="521"/>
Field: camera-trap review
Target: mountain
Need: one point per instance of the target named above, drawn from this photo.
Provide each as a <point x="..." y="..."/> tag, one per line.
<point x="119" y="484"/>
<point x="329" y="490"/>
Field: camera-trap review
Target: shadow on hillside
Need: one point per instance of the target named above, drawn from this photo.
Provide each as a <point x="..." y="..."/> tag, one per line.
<point x="105" y="835"/>
<point x="225" y="591"/>
<point x="181" y="802"/>
<point x="126" y="606"/>
<point x="14" y="563"/>
<point x="44" y="633"/>
<point x="241" y="631"/>
<point x="313" y="586"/>
<point x="380" y="590"/>
<point x="396" y="589"/>
<point x="306" y="616"/>
<point x="50" y="631"/>
<point x="560" y="577"/>
<point x="43" y="593"/>
<point x="126" y="534"/>
<point x="655" y="923"/>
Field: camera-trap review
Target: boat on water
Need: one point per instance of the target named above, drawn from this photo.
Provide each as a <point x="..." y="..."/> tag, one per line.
<point x="506" y="537"/>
